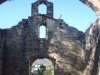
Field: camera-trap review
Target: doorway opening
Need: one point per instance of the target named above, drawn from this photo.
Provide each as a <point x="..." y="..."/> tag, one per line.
<point x="42" y="66"/>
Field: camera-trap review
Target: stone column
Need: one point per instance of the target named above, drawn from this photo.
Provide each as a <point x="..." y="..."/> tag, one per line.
<point x="50" y="9"/>
<point x="34" y="9"/>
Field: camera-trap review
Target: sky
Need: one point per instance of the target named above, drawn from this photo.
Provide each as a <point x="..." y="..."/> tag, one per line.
<point x="42" y="61"/>
<point x="73" y="12"/>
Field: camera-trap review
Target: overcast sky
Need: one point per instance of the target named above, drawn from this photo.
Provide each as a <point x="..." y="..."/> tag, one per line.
<point x="73" y="12"/>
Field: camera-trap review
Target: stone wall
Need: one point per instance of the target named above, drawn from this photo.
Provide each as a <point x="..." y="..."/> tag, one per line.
<point x="92" y="49"/>
<point x="63" y="43"/>
<point x="71" y="51"/>
<point x="92" y="37"/>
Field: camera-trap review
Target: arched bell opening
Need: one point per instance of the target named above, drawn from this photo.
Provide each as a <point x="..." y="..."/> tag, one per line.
<point x="42" y="9"/>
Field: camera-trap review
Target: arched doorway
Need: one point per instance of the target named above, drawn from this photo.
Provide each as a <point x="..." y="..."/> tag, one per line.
<point x="41" y="66"/>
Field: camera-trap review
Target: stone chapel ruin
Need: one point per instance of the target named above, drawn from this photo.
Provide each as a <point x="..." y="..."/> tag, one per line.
<point x="71" y="51"/>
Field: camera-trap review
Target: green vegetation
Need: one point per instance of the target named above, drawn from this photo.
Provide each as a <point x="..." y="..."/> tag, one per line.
<point x="44" y="70"/>
<point x="40" y="71"/>
<point x="49" y="70"/>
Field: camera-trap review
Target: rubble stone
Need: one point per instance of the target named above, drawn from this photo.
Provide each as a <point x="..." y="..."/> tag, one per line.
<point x="71" y="51"/>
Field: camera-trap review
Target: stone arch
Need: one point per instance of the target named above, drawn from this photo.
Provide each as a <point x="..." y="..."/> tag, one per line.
<point x="32" y="59"/>
<point x="40" y="2"/>
<point x="93" y="4"/>
<point x="34" y="9"/>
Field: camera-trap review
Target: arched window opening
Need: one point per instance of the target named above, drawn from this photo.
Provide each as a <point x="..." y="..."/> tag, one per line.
<point x="42" y="32"/>
<point x="42" y="67"/>
<point x="42" y="9"/>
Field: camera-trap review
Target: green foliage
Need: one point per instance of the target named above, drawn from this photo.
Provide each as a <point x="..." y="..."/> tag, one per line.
<point x="49" y="70"/>
<point x="45" y="70"/>
<point x="41" y="70"/>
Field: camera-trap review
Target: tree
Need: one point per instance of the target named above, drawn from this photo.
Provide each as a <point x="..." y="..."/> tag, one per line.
<point x="41" y="70"/>
<point x="49" y="70"/>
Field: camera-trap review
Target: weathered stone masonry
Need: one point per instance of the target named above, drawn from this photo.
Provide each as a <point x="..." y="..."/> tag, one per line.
<point x="93" y="4"/>
<point x="72" y="52"/>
